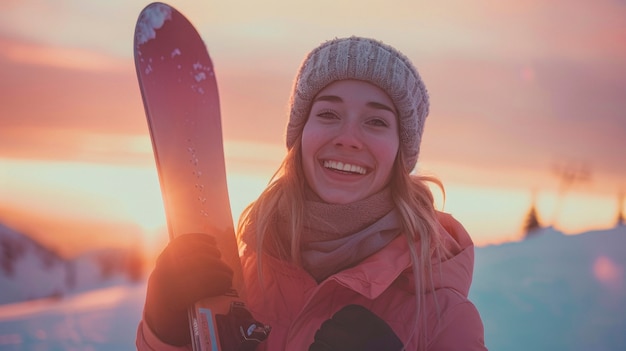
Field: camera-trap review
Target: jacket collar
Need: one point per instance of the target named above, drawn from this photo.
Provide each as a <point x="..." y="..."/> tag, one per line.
<point x="379" y="271"/>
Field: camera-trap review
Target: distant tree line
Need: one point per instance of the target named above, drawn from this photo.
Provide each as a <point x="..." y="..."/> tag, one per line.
<point x="532" y="223"/>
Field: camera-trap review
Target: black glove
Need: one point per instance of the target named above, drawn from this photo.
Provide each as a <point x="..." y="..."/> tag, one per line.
<point x="355" y="328"/>
<point x="187" y="270"/>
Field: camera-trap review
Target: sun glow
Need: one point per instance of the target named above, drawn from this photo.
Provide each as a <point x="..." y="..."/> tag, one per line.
<point x="38" y="194"/>
<point x="84" y="190"/>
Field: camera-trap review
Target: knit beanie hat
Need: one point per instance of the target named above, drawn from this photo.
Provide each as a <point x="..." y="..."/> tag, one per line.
<point x="371" y="61"/>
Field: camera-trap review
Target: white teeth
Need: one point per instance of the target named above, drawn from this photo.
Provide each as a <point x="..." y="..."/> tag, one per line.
<point x="346" y="167"/>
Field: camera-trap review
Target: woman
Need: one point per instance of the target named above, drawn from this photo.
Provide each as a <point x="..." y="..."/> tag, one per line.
<point x="344" y="249"/>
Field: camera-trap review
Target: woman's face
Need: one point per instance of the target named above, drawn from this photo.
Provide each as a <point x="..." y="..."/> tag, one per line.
<point x="350" y="141"/>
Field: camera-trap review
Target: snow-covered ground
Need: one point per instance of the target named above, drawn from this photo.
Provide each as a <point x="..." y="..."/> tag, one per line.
<point x="104" y="319"/>
<point x="552" y="292"/>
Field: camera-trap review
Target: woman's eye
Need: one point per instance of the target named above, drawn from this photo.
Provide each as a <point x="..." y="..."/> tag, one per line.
<point x="327" y="115"/>
<point x="378" y="122"/>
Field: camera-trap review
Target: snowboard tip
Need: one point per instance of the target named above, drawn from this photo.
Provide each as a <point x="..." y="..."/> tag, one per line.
<point x="151" y="18"/>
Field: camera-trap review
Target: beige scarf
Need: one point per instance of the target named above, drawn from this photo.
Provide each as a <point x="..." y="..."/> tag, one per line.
<point x="337" y="236"/>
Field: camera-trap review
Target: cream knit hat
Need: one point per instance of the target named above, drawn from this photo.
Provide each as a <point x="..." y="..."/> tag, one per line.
<point x="371" y="61"/>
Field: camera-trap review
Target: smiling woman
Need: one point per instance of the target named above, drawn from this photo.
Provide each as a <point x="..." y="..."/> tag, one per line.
<point x="349" y="143"/>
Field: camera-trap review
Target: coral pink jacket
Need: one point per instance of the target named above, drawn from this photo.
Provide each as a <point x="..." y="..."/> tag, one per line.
<point x="295" y="305"/>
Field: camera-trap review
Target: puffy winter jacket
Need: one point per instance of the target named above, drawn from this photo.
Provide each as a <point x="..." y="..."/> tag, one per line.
<point x="295" y="305"/>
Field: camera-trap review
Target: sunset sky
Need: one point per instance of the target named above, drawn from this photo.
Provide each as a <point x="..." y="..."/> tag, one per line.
<point x="519" y="90"/>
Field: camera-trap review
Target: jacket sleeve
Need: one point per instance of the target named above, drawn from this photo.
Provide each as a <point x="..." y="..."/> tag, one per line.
<point x="147" y="341"/>
<point x="460" y="329"/>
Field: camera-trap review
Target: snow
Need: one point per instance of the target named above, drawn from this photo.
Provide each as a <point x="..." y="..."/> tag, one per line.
<point x="152" y="17"/>
<point x="30" y="271"/>
<point x="550" y="292"/>
<point x="104" y="319"/>
<point x="554" y="292"/>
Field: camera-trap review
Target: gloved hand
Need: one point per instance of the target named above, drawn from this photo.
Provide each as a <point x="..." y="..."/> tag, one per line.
<point x="187" y="270"/>
<point x="355" y="328"/>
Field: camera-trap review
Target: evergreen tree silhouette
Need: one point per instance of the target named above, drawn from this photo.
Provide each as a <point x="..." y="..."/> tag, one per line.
<point x="620" y="211"/>
<point x="531" y="224"/>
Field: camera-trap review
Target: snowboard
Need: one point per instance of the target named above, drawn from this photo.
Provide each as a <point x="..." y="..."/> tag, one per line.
<point x="181" y="101"/>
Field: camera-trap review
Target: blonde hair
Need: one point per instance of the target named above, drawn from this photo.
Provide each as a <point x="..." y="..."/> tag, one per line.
<point x="412" y="198"/>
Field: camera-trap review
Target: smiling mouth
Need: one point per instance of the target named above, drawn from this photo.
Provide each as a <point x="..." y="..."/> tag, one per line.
<point x="344" y="167"/>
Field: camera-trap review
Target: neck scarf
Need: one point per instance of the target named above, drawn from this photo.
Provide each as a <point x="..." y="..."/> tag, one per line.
<point x="338" y="236"/>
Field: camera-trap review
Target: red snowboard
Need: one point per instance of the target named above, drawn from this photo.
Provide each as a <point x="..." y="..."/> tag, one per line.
<point x="181" y="101"/>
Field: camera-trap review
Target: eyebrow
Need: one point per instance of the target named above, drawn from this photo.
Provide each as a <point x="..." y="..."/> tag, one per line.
<point x="372" y="104"/>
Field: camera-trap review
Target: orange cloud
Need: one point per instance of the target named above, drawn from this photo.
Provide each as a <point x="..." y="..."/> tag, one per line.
<point x="59" y="57"/>
<point x="67" y="144"/>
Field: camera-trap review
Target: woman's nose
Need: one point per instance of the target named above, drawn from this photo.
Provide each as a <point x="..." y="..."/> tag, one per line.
<point x="349" y="136"/>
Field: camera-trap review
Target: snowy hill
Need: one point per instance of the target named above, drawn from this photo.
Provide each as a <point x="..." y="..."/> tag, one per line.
<point x="554" y="292"/>
<point x="551" y="292"/>
<point x="29" y="270"/>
